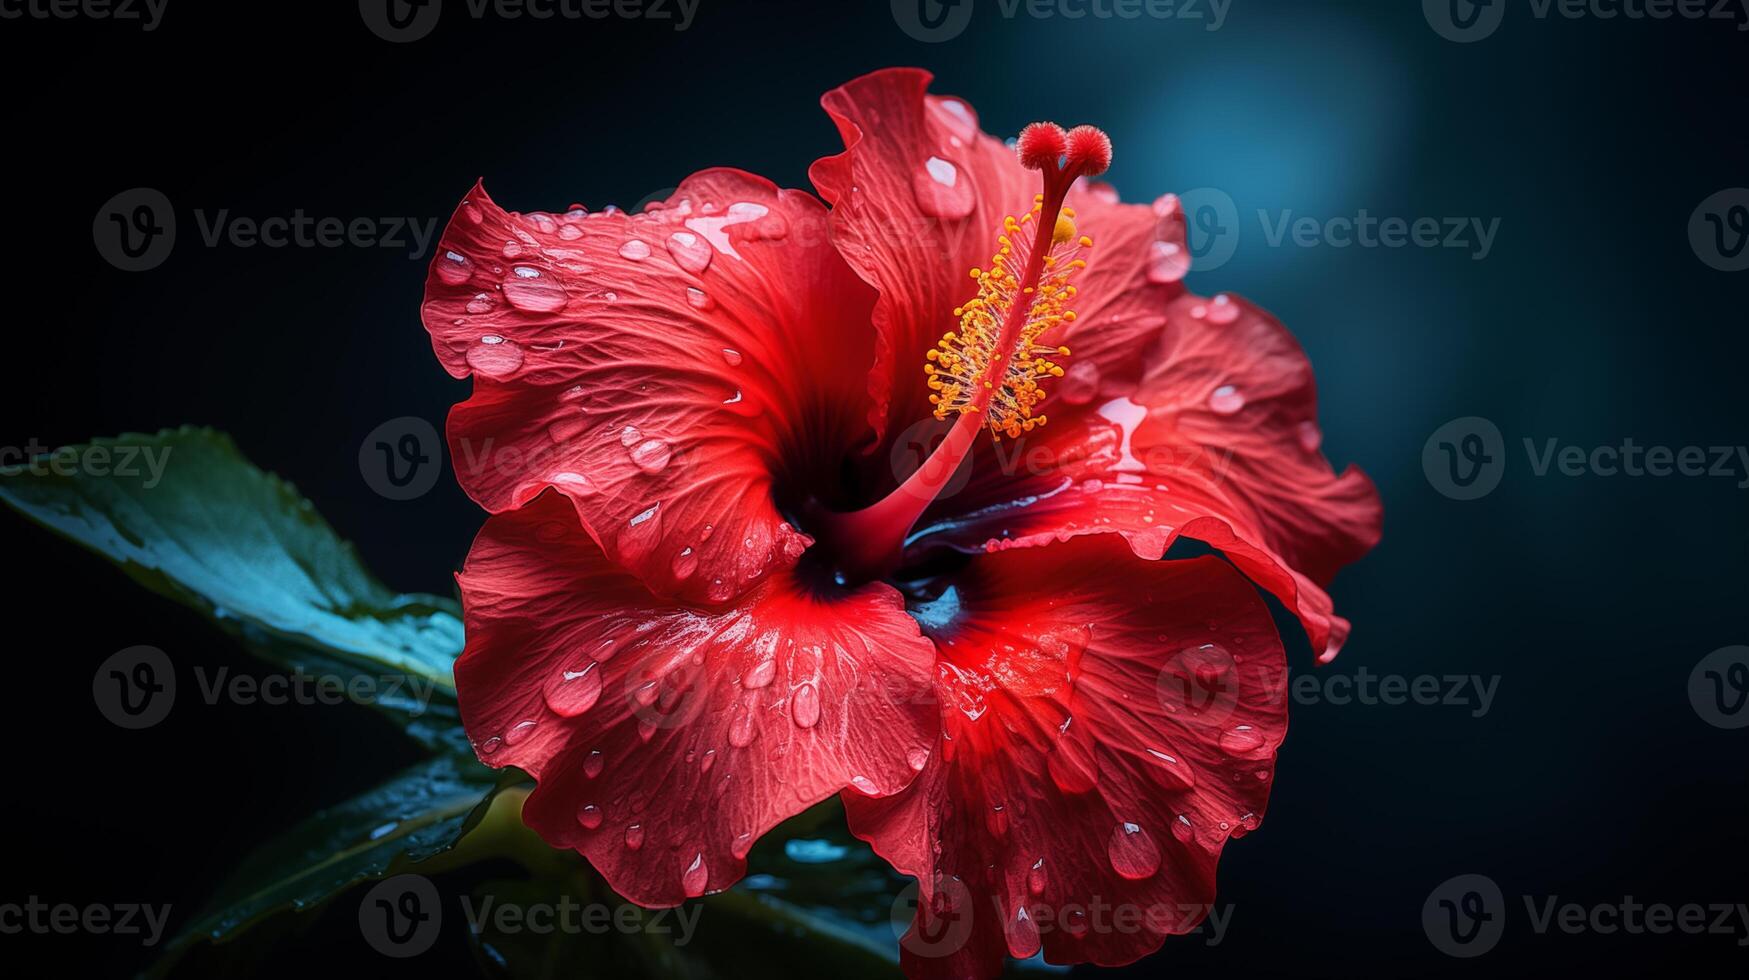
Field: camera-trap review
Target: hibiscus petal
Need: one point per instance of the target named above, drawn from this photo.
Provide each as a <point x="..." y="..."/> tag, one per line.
<point x="666" y="738"/>
<point x="1102" y="739"/>
<point x="918" y="197"/>
<point x="1218" y="441"/>
<point x="662" y="370"/>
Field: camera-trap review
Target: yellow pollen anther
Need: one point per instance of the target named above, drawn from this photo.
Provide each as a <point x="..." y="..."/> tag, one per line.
<point x="977" y="362"/>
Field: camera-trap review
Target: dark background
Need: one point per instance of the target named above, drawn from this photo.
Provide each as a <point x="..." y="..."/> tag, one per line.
<point x="1590" y="598"/>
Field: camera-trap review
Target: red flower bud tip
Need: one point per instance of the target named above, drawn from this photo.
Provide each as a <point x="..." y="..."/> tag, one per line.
<point x="1041" y="144"/>
<point x="1089" y="151"/>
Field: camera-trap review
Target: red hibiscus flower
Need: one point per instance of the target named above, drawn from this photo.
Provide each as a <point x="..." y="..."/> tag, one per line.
<point x="871" y="496"/>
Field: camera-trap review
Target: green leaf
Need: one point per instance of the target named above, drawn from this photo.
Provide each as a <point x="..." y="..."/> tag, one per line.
<point x="421" y="813"/>
<point x="185" y="514"/>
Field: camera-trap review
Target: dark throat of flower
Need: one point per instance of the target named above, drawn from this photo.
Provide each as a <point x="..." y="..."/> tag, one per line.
<point x="988" y="371"/>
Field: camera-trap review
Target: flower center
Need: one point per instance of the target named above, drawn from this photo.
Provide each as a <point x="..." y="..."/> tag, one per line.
<point x="988" y="370"/>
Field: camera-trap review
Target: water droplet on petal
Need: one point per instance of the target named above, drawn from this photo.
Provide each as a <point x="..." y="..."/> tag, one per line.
<point x="571" y="692"/>
<point x="519" y="732"/>
<point x="481" y="303"/>
<point x="685" y="563"/>
<point x="1242" y="740"/>
<point x="694" y="878"/>
<point x="941" y="191"/>
<point x="1023" y="939"/>
<point x="1182" y="829"/>
<point x="743" y="843"/>
<point x="575" y="483"/>
<point x="1167" y="262"/>
<point x="454" y="268"/>
<point x="1037" y="878"/>
<point x="634" y="836"/>
<point x="1080" y="383"/>
<point x="494" y="357"/>
<point x="1222" y="309"/>
<point x="732" y="356"/>
<point x="761" y="674"/>
<point x="690" y="252"/>
<point x="1132" y="851"/>
<point x="865" y="786"/>
<point x="698" y="299"/>
<point x="917" y="759"/>
<point x="652" y="455"/>
<point x="593" y="762"/>
<point x="805" y="706"/>
<point x="1226" y="400"/>
<point x="589" y="817"/>
<point x="635" y="250"/>
<point x="531" y="292"/>
<point x="1311" y="437"/>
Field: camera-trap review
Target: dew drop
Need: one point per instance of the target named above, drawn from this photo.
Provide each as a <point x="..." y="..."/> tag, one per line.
<point x="697" y="298"/>
<point x="571" y="692"/>
<point x="1242" y="740"/>
<point x="575" y="483"/>
<point x="634" y="837"/>
<point x="865" y="786"/>
<point x="742" y="844"/>
<point x="1037" y="878"/>
<point x="1132" y="851"/>
<point x="762" y="673"/>
<point x="1167" y="262"/>
<point x="941" y="192"/>
<point x="694" y="878"/>
<point x="1226" y="400"/>
<point x="732" y="356"/>
<point x="805" y="706"/>
<point x="1022" y="931"/>
<point x="1222" y="309"/>
<point x="652" y="455"/>
<point x="519" y="732"/>
<point x="1182" y="829"/>
<point x="481" y="303"/>
<point x="917" y="759"/>
<point x="685" y="563"/>
<point x="593" y="762"/>
<point x="454" y="268"/>
<point x="494" y="357"/>
<point x="530" y="292"/>
<point x="589" y="817"/>
<point x="634" y="250"/>
<point x="689" y="251"/>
